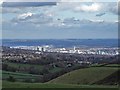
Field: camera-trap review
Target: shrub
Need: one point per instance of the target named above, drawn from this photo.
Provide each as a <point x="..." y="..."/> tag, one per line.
<point x="11" y="78"/>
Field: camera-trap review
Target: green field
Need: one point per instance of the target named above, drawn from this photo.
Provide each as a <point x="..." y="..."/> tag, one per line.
<point x="113" y="65"/>
<point x="82" y="78"/>
<point x="7" y="84"/>
<point x="85" y="76"/>
<point x="19" y="76"/>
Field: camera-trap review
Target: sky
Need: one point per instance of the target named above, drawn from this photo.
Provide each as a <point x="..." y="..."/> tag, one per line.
<point x="61" y="19"/>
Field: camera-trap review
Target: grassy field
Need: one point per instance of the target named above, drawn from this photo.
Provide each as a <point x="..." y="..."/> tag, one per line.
<point x="7" y="84"/>
<point x="82" y="78"/>
<point x="19" y="76"/>
<point x="85" y="76"/>
<point x="24" y="76"/>
<point x="113" y="65"/>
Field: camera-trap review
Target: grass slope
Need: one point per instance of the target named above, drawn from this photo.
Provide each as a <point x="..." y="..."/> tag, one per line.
<point x="20" y="76"/>
<point x="85" y="76"/>
<point x="7" y="84"/>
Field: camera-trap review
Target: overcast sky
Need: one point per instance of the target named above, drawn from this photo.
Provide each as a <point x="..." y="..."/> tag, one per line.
<point x="59" y="20"/>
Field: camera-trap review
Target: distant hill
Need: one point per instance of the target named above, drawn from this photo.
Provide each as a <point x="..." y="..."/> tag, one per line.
<point x="62" y="42"/>
<point x="86" y="76"/>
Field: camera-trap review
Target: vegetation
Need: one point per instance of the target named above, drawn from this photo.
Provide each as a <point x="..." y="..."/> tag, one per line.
<point x="113" y="65"/>
<point x="26" y="69"/>
<point x="85" y="76"/>
<point x="7" y="84"/>
<point x="21" y="77"/>
<point x="11" y="78"/>
<point x="43" y="73"/>
<point x="82" y="78"/>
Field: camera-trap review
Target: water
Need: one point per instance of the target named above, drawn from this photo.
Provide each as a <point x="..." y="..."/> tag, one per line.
<point x="62" y="42"/>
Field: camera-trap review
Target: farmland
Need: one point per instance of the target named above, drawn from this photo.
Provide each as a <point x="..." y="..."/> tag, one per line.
<point x="85" y="76"/>
<point x="7" y="84"/>
<point x="82" y="78"/>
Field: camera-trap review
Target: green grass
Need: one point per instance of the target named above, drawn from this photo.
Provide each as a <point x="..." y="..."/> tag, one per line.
<point x="19" y="76"/>
<point x="7" y="84"/>
<point x="113" y="65"/>
<point x="85" y="76"/>
<point x="103" y="65"/>
<point x="97" y="65"/>
<point x="82" y="78"/>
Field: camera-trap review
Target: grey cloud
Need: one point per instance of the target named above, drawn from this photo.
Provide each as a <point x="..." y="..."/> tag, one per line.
<point x="18" y="10"/>
<point x="34" y="19"/>
<point x="10" y="10"/>
<point x="27" y="4"/>
<point x="100" y="14"/>
<point x="101" y="7"/>
<point x="71" y="20"/>
<point x="74" y="21"/>
<point x="45" y="19"/>
<point x="112" y="8"/>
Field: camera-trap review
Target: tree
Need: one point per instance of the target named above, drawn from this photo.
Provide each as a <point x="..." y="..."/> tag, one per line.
<point x="5" y="67"/>
<point x="11" y="78"/>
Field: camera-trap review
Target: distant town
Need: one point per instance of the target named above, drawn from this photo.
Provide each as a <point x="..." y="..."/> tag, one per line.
<point x="72" y="50"/>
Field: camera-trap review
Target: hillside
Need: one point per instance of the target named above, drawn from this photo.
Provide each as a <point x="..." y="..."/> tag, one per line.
<point x="85" y="76"/>
<point x="7" y="84"/>
<point x="94" y="77"/>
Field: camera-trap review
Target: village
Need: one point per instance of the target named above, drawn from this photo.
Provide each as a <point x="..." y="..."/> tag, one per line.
<point x="74" y="50"/>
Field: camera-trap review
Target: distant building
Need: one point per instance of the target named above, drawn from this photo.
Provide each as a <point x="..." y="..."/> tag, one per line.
<point x="42" y="49"/>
